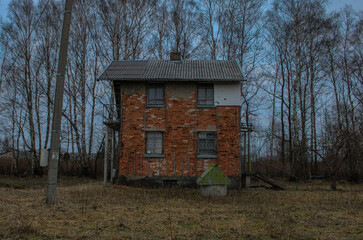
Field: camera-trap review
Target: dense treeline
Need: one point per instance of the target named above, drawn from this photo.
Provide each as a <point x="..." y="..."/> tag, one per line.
<point x="303" y="65"/>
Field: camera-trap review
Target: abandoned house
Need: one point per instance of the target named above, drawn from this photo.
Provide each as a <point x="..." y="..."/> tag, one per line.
<point x="174" y="118"/>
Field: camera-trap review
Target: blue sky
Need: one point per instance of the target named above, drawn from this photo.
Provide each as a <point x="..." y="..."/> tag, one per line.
<point x="333" y="5"/>
<point x="337" y="4"/>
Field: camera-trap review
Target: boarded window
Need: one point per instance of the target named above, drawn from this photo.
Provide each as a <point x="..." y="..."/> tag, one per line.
<point x="155" y="95"/>
<point x="205" y="95"/>
<point x="154" y="143"/>
<point x="206" y="143"/>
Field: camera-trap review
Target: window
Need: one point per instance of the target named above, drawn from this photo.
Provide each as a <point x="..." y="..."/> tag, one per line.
<point x="205" y="95"/>
<point x="154" y="143"/>
<point x="206" y="144"/>
<point x="155" y="95"/>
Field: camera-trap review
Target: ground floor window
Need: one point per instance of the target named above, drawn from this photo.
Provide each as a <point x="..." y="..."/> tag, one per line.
<point x="154" y="143"/>
<point x="207" y="144"/>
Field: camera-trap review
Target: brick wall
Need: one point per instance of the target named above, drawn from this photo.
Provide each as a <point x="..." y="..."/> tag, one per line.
<point x="179" y="120"/>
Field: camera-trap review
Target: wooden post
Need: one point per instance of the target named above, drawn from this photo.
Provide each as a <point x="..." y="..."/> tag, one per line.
<point x="240" y="156"/>
<point x="105" y="159"/>
<point x="141" y="162"/>
<point x="58" y="106"/>
<point x="112" y="154"/>
<point x="127" y="164"/>
<point x="196" y="167"/>
<point x="248" y="163"/>
<point x="148" y="166"/>
<point x="248" y="151"/>
<point x="188" y="164"/>
<point x="134" y="163"/>
<point x="244" y="152"/>
<point x="174" y="163"/>
<point x="167" y="164"/>
<point x="181" y="163"/>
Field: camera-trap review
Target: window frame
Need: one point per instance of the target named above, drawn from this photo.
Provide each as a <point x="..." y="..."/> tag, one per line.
<point x="205" y="153"/>
<point x="148" y="97"/>
<point x="153" y="153"/>
<point x="205" y="87"/>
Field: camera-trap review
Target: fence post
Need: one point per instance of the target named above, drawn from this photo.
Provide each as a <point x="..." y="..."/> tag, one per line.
<point x="127" y="164"/>
<point x="134" y="163"/>
<point x="196" y="167"/>
<point x="112" y="155"/>
<point x="148" y="166"/>
<point x="188" y="164"/>
<point x="174" y="163"/>
<point x="167" y="164"/>
<point x="141" y="163"/>
<point x="182" y="168"/>
<point x="105" y="164"/>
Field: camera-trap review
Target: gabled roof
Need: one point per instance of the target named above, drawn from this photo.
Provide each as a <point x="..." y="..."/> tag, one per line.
<point x="213" y="176"/>
<point x="164" y="70"/>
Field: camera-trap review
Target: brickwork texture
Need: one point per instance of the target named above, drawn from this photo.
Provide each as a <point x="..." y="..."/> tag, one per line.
<point x="180" y="120"/>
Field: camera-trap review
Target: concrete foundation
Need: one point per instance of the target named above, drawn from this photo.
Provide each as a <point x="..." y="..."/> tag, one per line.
<point x="213" y="190"/>
<point x="163" y="181"/>
<point x="246" y="181"/>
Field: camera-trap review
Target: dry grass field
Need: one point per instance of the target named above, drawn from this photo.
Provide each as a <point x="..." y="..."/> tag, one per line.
<point x="85" y="209"/>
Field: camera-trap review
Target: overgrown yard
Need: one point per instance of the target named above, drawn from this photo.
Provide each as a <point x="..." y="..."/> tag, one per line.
<point x="85" y="209"/>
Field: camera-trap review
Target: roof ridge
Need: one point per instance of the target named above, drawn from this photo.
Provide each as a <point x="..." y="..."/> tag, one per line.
<point x="138" y="60"/>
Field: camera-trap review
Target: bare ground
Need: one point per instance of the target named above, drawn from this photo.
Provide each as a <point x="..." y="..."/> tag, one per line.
<point x="85" y="209"/>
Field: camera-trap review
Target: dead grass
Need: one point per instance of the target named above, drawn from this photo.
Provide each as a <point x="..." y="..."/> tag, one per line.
<point x="85" y="209"/>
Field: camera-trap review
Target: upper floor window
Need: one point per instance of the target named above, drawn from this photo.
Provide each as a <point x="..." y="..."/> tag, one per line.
<point x="155" y="95"/>
<point x="205" y="95"/>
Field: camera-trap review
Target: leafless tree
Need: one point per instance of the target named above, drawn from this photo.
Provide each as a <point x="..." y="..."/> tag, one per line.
<point x="184" y="34"/>
<point x="22" y="16"/>
<point x="160" y="33"/>
<point x="209" y="21"/>
<point x="343" y="72"/>
<point x="299" y="62"/>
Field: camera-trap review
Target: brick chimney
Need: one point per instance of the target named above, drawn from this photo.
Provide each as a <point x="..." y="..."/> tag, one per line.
<point x="175" y="56"/>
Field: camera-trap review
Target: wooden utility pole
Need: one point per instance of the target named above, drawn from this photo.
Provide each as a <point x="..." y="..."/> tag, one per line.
<point x="246" y="129"/>
<point x="105" y="162"/>
<point x="112" y="156"/>
<point x="58" y="106"/>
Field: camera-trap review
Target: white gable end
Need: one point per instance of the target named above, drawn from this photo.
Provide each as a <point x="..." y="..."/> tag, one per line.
<point x="227" y="94"/>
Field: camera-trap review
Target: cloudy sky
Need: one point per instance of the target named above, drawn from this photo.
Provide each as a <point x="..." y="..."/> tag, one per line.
<point x="333" y="5"/>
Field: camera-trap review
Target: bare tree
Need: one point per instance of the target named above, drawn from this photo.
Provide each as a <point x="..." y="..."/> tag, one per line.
<point x="46" y="56"/>
<point x="21" y="18"/>
<point x="343" y="72"/>
<point x="209" y="20"/>
<point x="184" y="34"/>
<point x="158" y="44"/>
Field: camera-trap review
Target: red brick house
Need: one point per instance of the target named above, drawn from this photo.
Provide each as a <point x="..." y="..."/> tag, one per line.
<point x="176" y="118"/>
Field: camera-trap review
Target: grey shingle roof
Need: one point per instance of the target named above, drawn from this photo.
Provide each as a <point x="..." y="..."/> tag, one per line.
<point x="163" y="70"/>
